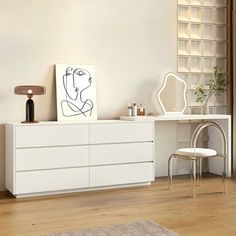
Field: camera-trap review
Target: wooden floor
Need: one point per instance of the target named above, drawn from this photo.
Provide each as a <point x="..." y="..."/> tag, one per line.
<point x="211" y="213"/>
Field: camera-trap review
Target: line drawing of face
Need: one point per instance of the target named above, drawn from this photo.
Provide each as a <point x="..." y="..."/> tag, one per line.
<point x="76" y="83"/>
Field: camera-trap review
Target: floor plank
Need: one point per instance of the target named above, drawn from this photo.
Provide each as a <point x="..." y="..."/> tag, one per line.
<point x="210" y="213"/>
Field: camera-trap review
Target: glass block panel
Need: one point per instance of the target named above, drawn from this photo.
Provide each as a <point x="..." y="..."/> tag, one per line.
<point x="208" y="31"/>
<point x="220" y="32"/>
<point x="208" y="15"/>
<point x="196" y="79"/>
<point x="207" y="78"/>
<point x="221" y="15"/>
<point x="196" y="14"/>
<point x="220" y="49"/>
<point x="221" y="3"/>
<point x="184" y="47"/>
<point x="220" y="110"/>
<point x="196" y="31"/>
<point x="196" y="2"/>
<point x="208" y="65"/>
<point x="186" y="77"/>
<point x="184" y="30"/>
<point x="184" y="13"/>
<point x="184" y="2"/>
<point x="196" y="64"/>
<point x="208" y="2"/>
<point x="196" y="110"/>
<point x="208" y="48"/>
<point x="183" y="64"/>
<point x="202" y="44"/>
<point x="221" y="99"/>
<point x="196" y="48"/>
<point x="192" y="98"/>
<point x="222" y="63"/>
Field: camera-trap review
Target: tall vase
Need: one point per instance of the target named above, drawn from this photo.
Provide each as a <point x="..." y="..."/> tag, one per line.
<point x="205" y="109"/>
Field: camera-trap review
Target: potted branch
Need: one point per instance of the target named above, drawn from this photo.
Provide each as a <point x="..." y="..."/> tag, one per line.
<point x="215" y="86"/>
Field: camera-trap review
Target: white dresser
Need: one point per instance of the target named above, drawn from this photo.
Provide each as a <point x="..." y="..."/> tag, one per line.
<point x="53" y="157"/>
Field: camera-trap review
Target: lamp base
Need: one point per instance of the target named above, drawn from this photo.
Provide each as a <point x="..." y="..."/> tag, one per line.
<point x="29" y="122"/>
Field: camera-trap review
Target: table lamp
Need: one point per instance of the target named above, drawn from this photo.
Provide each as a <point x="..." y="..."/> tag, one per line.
<point x="29" y="91"/>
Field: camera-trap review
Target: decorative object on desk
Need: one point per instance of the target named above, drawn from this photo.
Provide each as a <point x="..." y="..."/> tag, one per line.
<point x="76" y="92"/>
<point x="129" y="110"/>
<point x="134" y="108"/>
<point x="29" y="91"/>
<point x="172" y="95"/>
<point x="214" y="86"/>
<point x="141" y="110"/>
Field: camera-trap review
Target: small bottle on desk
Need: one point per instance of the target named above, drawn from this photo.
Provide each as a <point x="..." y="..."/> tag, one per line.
<point x="129" y="110"/>
<point x="134" y="108"/>
<point x="141" y="110"/>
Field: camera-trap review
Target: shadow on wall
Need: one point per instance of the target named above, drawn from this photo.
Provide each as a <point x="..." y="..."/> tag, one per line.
<point x="2" y="157"/>
<point x="149" y="89"/>
<point x="49" y="99"/>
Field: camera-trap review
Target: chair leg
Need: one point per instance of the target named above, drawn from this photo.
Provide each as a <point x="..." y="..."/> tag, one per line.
<point x="200" y="167"/>
<point x="199" y="170"/>
<point x="193" y="177"/>
<point x="170" y="170"/>
<point x="224" y="175"/>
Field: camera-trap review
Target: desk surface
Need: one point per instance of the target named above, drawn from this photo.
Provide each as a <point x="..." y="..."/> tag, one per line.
<point x="176" y="117"/>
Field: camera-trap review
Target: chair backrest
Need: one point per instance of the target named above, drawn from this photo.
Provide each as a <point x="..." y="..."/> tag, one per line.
<point x="204" y="125"/>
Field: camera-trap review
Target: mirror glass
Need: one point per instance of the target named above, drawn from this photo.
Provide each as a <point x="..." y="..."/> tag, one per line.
<point x="172" y="95"/>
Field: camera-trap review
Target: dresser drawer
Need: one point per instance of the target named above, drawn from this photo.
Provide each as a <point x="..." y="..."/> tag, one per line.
<point x="121" y="174"/>
<point x="121" y="153"/>
<point x="121" y="132"/>
<point x="51" y="135"/>
<point x="52" y="157"/>
<point x="51" y="180"/>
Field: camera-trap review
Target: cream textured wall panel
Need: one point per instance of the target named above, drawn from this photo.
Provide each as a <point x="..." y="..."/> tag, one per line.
<point x="131" y="43"/>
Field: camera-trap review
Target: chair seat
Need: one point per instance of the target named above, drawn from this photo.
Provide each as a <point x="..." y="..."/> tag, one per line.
<point x="203" y="152"/>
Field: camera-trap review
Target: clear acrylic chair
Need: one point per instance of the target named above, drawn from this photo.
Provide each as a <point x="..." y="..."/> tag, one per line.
<point x="196" y="154"/>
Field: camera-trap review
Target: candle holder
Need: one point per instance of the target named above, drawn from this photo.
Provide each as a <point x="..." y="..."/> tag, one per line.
<point x="29" y="91"/>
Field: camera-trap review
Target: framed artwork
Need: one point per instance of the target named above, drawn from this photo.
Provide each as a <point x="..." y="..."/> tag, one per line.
<point x="76" y="92"/>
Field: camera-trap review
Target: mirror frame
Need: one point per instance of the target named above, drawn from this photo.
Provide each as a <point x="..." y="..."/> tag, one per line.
<point x="163" y="87"/>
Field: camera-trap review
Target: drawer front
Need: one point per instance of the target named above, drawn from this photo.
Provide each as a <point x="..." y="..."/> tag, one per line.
<point x="52" y="157"/>
<point x="121" y="174"/>
<point x="121" y="132"/>
<point x="121" y="153"/>
<point x="51" y="180"/>
<point x="51" y="135"/>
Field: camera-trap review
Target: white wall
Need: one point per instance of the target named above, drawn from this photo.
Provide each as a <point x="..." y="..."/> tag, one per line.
<point x="131" y="43"/>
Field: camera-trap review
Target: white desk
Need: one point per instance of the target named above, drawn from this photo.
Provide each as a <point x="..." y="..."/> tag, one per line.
<point x="167" y="135"/>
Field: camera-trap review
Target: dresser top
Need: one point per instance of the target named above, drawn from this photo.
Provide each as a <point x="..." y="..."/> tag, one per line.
<point x="41" y="123"/>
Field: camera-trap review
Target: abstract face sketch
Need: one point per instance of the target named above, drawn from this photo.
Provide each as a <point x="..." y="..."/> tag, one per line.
<point x="76" y="92"/>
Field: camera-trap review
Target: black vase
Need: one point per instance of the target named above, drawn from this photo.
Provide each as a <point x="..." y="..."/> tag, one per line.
<point x="29" y="110"/>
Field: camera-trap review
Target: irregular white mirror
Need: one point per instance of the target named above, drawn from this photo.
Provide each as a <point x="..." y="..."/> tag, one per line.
<point x="172" y="95"/>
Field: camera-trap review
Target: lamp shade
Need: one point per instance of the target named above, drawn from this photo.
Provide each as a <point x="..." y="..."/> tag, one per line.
<point x="32" y="89"/>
